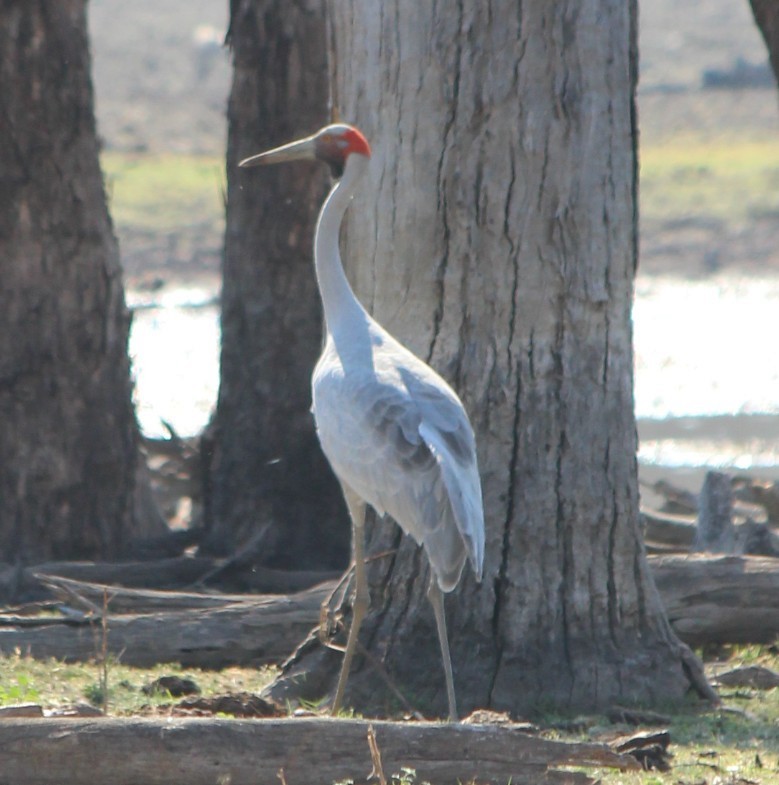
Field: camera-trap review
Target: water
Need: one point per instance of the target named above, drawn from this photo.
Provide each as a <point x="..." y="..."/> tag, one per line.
<point x="174" y="347"/>
<point x="706" y="347"/>
<point x="707" y="372"/>
<point x="707" y="367"/>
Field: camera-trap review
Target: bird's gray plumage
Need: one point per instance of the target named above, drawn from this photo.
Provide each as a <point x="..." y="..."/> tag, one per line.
<point x="398" y="436"/>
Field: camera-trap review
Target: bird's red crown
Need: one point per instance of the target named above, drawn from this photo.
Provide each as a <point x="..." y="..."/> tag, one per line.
<point x="356" y="142"/>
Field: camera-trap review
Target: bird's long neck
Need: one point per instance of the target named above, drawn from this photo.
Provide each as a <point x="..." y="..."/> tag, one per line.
<point x="343" y="312"/>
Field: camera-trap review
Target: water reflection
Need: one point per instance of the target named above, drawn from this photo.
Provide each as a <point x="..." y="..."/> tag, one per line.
<point x="707" y="367"/>
<point x="174" y="346"/>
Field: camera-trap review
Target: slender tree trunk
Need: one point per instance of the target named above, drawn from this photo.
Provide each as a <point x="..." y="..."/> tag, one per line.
<point x="68" y="439"/>
<point x="265" y="465"/>
<point x="766" y="13"/>
<point x="496" y="236"/>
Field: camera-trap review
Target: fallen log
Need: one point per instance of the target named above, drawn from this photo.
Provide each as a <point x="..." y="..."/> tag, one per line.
<point x="664" y="528"/>
<point x="257" y="631"/>
<point x="664" y="532"/>
<point x="725" y="599"/>
<point x="305" y="751"/>
<point x="764" y="493"/>
<point x="708" y="600"/>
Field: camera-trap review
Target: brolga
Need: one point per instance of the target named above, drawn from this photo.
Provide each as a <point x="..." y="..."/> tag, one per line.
<point x="395" y="433"/>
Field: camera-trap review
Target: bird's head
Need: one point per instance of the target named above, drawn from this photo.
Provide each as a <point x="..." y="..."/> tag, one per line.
<point x="333" y="145"/>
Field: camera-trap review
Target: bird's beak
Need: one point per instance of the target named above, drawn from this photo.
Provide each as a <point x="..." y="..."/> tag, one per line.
<point x="294" y="151"/>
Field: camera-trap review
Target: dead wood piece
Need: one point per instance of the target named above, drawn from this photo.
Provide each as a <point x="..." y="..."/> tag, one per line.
<point x="121" y="600"/>
<point x="677" y="500"/>
<point x="161" y="574"/>
<point x="490" y="717"/>
<point x="310" y="751"/>
<point x="649" y="749"/>
<point x="673" y="530"/>
<point x="757" y="539"/>
<point x="260" y="630"/>
<point x="665" y="533"/>
<point x="76" y="710"/>
<point x="31" y="609"/>
<point x="755" y="676"/>
<point x="236" y="704"/>
<point x="762" y="492"/>
<point x="722" y="599"/>
<point x="10" y="620"/>
<point x="377" y="772"/>
<point x="21" y="710"/>
<point x="715" y="518"/>
<point x="169" y="574"/>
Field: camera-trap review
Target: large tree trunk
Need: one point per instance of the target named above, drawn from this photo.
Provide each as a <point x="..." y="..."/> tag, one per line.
<point x="68" y="439"/>
<point x="496" y="236"/>
<point x="766" y="13"/>
<point x="265" y="466"/>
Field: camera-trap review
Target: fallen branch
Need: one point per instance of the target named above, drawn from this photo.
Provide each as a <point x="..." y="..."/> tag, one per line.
<point x="256" y="631"/>
<point x="177" y="573"/>
<point x="307" y="751"/>
<point x="139" y="600"/>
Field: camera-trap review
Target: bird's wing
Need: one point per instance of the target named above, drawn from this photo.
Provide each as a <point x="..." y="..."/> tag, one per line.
<point x="448" y="434"/>
<point x="406" y="447"/>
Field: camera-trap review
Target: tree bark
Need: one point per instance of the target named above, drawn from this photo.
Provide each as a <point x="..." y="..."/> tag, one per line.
<point x="69" y="440"/>
<point x="265" y="464"/>
<point x="296" y="751"/>
<point x="766" y="13"/>
<point x="496" y="237"/>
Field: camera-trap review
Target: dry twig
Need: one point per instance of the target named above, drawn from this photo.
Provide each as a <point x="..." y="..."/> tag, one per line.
<point x="378" y="769"/>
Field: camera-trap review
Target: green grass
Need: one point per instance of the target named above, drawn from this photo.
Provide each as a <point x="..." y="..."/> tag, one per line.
<point x="736" y="744"/>
<point x="165" y="192"/>
<point x="54" y="684"/>
<point x="721" y="180"/>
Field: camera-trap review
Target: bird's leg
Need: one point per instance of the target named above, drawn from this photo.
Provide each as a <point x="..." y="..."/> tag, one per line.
<point x="361" y="596"/>
<point x="436" y="597"/>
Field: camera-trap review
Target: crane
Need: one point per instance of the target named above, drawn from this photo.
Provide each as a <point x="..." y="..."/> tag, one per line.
<point x="395" y="433"/>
